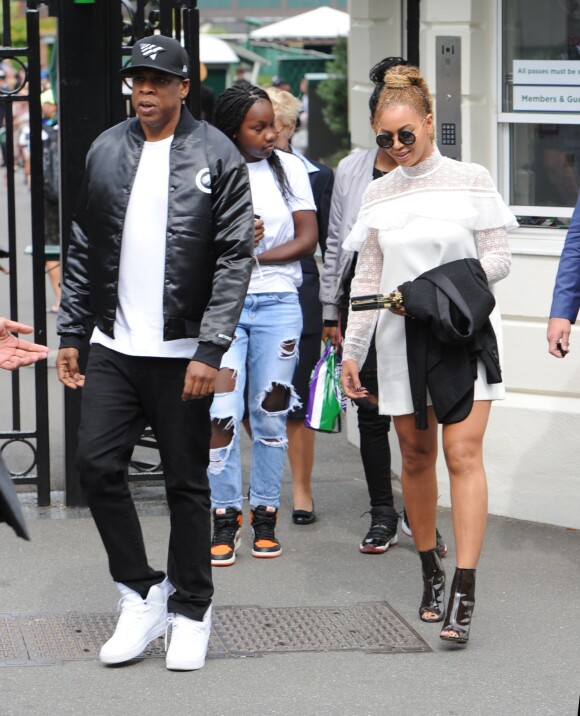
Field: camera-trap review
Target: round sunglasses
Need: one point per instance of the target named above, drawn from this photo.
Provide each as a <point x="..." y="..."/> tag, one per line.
<point x="405" y="136"/>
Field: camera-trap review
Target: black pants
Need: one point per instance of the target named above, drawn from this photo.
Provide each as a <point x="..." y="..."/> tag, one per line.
<point x="121" y="396"/>
<point x="373" y="429"/>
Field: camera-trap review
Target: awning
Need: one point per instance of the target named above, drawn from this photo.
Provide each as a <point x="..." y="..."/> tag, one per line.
<point x="213" y="51"/>
<point x="322" y="23"/>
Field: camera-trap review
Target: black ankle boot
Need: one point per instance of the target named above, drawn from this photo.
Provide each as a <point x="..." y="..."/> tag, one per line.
<point x="433" y="586"/>
<point x="460" y="607"/>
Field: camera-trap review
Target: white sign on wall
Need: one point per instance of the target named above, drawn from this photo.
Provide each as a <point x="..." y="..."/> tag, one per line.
<point x="546" y="85"/>
<point x="546" y="72"/>
<point x="547" y="99"/>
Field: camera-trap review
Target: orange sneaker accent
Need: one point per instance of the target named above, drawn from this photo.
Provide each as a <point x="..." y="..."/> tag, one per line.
<point x="220" y="549"/>
<point x="265" y="543"/>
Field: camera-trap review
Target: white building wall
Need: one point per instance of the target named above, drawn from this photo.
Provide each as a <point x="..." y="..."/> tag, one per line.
<point x="531" y="445"/>
<point x="375" y="32"/>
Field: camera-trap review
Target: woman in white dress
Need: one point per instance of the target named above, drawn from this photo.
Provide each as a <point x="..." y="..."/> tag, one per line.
<point x="429" y="211"/>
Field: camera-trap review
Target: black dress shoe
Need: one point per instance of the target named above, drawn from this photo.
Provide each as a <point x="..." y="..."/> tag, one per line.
<point x="304" y="517"/>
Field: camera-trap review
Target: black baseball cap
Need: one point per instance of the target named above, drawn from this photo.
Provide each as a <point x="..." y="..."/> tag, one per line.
<point x="159" y="52"/>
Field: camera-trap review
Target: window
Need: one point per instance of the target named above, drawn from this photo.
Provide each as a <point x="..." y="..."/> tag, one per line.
<point x="540" y="122"/>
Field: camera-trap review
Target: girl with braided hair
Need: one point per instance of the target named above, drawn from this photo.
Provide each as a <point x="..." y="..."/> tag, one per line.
<point x="264" y="352"/>
<point x="428" y="212"/>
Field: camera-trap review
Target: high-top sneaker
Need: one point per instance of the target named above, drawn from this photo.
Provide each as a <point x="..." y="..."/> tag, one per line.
<point x="227" y="526"/>
<point x="383" y="531"/>
<point x="189" y="642"/>
<point x="264" y="525"/>
<point x="141" y="621"/>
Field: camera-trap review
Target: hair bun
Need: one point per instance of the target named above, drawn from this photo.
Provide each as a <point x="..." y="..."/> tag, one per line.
<point x="397" y="81"/>
<point x="377" y="73"/>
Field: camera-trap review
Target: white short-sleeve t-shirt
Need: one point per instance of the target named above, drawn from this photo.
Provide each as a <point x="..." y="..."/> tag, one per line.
<point x="138" y="325"/>
<point x="270" y="206"/>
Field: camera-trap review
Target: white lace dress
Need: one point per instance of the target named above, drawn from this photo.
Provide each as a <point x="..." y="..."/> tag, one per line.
<point x="411" y="220"/>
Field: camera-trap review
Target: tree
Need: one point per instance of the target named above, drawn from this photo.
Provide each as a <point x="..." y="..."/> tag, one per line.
<point x="17" y="20"/>
<point x="334" y="92"/>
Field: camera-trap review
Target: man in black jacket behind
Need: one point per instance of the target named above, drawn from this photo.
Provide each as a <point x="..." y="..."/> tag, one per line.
<point x="159" y="261"/>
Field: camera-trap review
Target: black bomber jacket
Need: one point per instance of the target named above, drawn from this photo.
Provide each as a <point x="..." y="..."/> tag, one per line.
<point x="210" y="232"/>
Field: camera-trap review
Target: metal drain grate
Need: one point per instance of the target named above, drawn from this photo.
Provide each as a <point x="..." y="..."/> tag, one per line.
<point x="40" y="639"/>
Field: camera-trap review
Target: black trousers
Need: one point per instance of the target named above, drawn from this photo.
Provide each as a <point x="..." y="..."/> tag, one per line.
<point x="373" y="429"/>
<point x="121" y="396"/>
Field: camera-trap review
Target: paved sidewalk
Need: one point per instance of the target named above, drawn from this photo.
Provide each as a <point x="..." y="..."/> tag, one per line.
<point x="523" y="657"/>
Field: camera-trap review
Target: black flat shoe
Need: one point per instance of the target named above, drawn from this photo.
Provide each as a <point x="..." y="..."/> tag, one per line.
<point x="432" y="607"/>
<point x="460" y="607"/>
<point x="304" y="517"/>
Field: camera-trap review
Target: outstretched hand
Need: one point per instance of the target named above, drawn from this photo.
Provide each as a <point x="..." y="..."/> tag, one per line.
<point x="350" y="381"/>
<point x="14" y="352"/>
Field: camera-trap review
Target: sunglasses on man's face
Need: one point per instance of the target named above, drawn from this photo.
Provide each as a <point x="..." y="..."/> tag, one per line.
<point x="405" y="136"/>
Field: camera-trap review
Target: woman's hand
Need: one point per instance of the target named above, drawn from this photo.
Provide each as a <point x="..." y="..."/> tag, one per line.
<point x="398" y="311"/>
<point x="331" y="333"/>
<point x="259" y="231"/>
<point x="349" y="379"/>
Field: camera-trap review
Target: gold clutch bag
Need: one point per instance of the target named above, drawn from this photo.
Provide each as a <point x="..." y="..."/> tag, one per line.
<point x="376" y="301"/>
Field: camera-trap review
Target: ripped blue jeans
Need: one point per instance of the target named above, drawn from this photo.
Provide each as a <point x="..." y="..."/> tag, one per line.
<point x="265" y="352"/>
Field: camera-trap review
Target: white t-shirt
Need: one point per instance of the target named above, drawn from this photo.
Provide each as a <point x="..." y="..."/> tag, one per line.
<point x="270" y="206"/>
<point x="139" y="320"/>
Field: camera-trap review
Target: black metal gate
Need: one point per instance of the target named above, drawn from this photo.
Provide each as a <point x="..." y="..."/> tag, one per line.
<point x="94" y="39"/>
<point x="25" y="449"/>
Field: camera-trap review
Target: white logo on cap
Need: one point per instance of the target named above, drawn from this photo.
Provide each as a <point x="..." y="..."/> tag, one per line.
<point x="151" y="50"/>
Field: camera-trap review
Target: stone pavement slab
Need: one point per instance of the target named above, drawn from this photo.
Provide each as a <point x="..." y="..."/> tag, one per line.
<point x="522" y="658"/>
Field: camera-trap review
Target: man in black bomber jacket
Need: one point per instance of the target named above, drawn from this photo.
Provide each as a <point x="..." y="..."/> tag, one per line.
<point x="159" y="261"/>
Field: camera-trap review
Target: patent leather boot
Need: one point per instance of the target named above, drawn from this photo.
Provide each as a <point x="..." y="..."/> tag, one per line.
<point x="433" y="603"/>
<point x="460" y="607"/>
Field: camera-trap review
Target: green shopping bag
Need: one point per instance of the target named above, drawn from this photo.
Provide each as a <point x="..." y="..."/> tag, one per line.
<point x="325" y="397"/>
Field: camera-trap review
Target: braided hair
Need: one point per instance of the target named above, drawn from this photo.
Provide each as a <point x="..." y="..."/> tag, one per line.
<point x="231" y="108"/>
<point x="377" y="77"/>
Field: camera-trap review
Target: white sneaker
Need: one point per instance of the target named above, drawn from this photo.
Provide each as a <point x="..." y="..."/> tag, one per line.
<point x="140" y="621"/>
<point x="189" y="642"/>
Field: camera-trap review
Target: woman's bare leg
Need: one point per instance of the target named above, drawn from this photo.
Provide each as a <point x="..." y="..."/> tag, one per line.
<point x="463" y="448"/>
<point x="301" y="455"/>
<point x="419" y="481"/>
<point x="418" y="477"/>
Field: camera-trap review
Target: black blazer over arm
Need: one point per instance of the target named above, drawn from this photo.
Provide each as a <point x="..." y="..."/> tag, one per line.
<point x="447" y="329"/>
